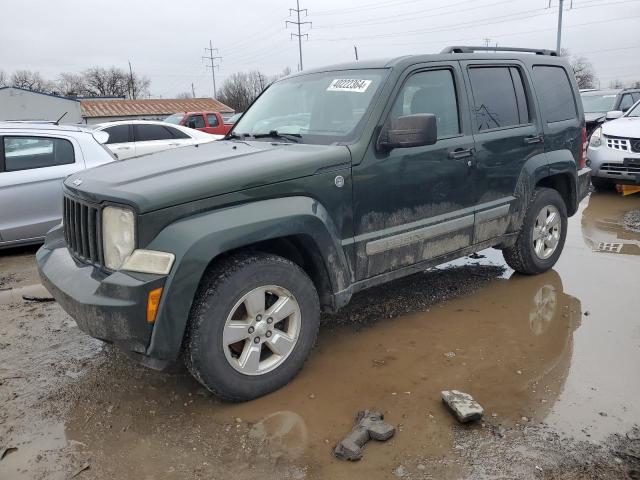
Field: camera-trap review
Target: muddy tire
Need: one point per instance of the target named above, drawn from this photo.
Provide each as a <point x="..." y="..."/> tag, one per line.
<point x="253" y="324"/>
<point x="542" y="234"/>
<point x="602" y="184"/>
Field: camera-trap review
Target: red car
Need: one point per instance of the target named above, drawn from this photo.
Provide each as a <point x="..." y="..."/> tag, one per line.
<point x="210" y="122"/>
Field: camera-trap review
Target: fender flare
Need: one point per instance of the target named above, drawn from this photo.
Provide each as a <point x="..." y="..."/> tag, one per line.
<point x="198" y="240"/>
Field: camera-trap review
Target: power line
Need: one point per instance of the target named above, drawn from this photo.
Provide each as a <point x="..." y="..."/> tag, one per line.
<point x="299" y="24"/>
<point x="212" y="58"/>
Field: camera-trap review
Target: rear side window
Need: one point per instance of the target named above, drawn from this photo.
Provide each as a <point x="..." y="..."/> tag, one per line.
<point x="212" y="120"/>
<point x="146" y="133"/>
<point x="118" y="134"/>
<point x="499" y="97"/>
<point x="554" y="93"/>
<point x="177" y="133"/>
<point x="26" y="153"/>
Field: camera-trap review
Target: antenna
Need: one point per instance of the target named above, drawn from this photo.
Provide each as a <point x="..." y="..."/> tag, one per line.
<point x="57" y="122"/>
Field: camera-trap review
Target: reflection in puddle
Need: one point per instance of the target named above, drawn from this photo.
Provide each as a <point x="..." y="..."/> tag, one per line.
<point x="612" y="225"/>
<point x="512" y="342"/>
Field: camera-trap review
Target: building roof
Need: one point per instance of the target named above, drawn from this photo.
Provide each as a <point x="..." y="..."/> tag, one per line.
<point x="92" y="108"/>
<point x="40" y="93"/>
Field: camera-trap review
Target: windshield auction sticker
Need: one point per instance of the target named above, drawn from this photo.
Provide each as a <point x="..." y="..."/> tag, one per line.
<point x="349" y="85"/>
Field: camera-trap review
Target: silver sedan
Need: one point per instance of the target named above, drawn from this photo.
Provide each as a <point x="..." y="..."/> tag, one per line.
<point x="34" y="159"/>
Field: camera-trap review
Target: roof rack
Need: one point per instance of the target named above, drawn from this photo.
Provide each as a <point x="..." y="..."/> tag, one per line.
<point x="466" y="49"/>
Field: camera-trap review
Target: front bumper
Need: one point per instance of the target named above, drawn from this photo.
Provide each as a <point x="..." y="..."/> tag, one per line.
<point x="615" y="165"/>
<point x="107" y="306"/>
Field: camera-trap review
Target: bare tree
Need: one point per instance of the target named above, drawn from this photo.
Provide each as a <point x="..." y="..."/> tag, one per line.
<point x="30" y="80"/>
<point x="3" y="79"/>
<point x="242" y="88"/>
<point x="72" y="85"/>
<point x="185" y="95"/>
<point x="582" y="69"/>
<point x="115" y="82"/>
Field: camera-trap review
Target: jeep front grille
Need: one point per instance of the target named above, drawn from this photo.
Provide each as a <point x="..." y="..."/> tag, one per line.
<point x="82" y="230"/>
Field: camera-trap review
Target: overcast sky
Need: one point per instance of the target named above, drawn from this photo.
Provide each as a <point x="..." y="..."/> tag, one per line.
<point x="165" y="39"/>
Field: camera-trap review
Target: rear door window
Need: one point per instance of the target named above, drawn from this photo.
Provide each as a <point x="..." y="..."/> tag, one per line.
<point x="147" y="133"/>
<point x="495" y="100"/>
<point x="26" y="153"/>
<point x="554" y="93"/>
<point x="118" y="134"/>
<point x="212" y="120"/>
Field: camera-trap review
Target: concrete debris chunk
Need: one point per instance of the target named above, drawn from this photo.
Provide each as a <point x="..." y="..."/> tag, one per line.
<point x="368" y="425"/>
<point x="465" y="408"/>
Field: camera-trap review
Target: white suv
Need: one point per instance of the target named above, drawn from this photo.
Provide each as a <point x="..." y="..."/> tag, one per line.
<point x="614" y="151"/>
<point x="34" y="159"/>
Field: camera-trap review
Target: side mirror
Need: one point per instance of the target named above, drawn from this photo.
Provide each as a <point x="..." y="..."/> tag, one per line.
<point x="407" y="131"/>
<point x="613" y="114"/>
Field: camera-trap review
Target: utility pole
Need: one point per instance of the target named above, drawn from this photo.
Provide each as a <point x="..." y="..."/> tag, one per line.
<point x="212" y="58"/>
<point x="355" y="48"/>
<point x="559" y="26"/>
<point x="132" y="88"/>
<point x="487" y="41"/>
<point x="299" y="24"/>
<point x="193" y="90"/>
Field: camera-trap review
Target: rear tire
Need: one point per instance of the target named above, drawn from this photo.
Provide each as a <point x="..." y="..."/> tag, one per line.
<point x="237" y="345"/>
<point x="542" y="234"/>
<point x="602" y="184"/>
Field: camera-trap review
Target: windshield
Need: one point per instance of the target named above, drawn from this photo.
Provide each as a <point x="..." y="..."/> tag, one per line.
<point x="634" y="111"/>
<point x="322" y="108"/>
<point x="176" y="118"/>
<point x="598" y="103"/>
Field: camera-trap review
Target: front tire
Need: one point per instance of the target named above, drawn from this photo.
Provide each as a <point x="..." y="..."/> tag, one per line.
<point x="542" y="235"/>
<point x="253" y="324"/>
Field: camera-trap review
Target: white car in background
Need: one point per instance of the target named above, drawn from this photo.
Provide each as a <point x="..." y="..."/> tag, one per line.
<point x="132" y="138"/>
<point x="35" y="157"/>
<point x="614" y="150"/>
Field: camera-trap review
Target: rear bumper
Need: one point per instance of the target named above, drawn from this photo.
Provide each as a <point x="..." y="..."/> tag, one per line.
<point x="584" y="180"/>
<point x="107" y="306"/>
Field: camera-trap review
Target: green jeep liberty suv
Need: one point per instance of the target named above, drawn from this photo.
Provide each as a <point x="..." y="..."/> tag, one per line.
<point x="335" y="180"/>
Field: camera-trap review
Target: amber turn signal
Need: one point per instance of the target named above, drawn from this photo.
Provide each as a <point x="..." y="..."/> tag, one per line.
<point x="153" y="301"/>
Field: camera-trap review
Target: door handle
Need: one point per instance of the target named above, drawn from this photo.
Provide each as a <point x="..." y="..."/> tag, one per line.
<point x="533" y="139"/>
<point x="461" y="153"/>
<point x="123" y="148"/>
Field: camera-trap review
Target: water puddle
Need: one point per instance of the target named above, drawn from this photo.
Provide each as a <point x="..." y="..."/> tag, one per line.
<point x="15" y="295"/>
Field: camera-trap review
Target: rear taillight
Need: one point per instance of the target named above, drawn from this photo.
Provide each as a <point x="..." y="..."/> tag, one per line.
<point x="583" y="151"/>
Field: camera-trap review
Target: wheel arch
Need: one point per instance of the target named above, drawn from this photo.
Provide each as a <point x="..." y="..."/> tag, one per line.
<point x="297" y="228"/>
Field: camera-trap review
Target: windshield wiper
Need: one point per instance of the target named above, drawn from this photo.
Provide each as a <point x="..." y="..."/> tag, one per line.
<point x="241" y="136"/>
<point x="294" y="137"/>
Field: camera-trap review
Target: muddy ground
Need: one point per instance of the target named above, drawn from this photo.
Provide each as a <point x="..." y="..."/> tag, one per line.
<point x="554" y="359"/>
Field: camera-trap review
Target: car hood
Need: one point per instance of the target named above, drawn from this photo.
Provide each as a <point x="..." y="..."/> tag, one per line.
<point x="623" y="127"/>
<point x="594" y="116"/>
<point x="186" y="174"/>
